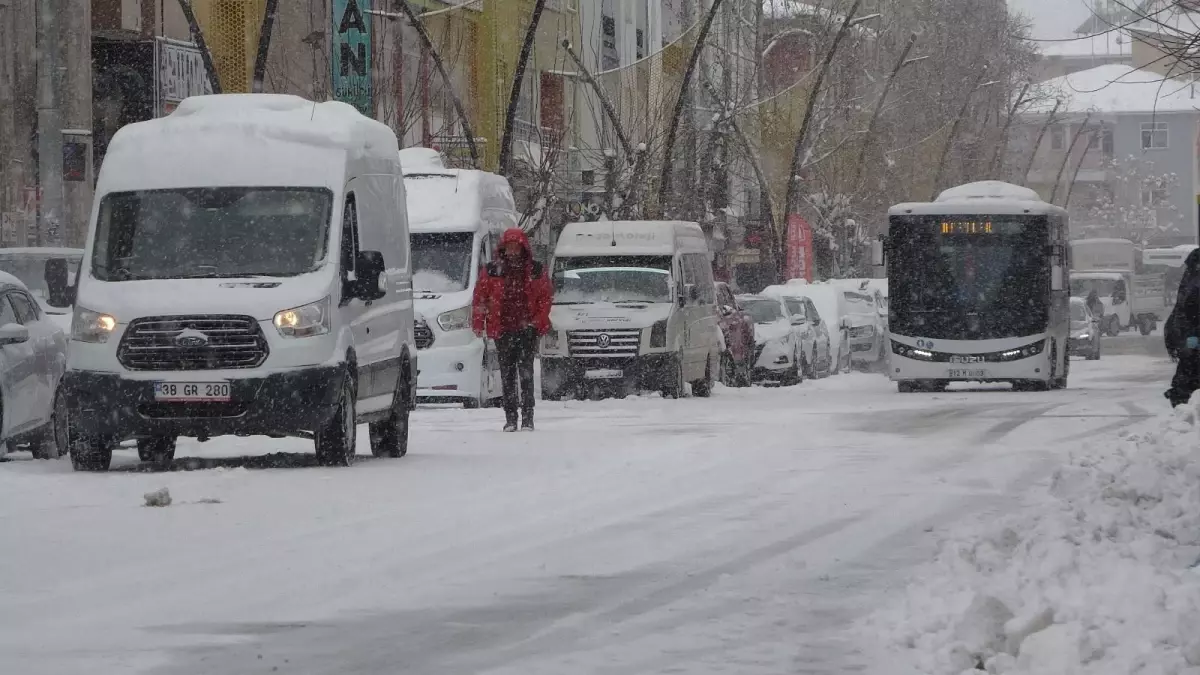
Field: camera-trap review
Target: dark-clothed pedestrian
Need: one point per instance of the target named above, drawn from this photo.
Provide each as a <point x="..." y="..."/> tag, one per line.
<point x="1182" y="333"/>
<point x="1095" y="305"/>
<point x="512" y="306"/>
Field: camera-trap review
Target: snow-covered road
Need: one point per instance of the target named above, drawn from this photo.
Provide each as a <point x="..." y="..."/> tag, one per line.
<point x="739" y="534"/>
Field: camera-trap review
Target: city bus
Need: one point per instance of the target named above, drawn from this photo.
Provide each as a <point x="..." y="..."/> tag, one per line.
<point x="979" y="291"/>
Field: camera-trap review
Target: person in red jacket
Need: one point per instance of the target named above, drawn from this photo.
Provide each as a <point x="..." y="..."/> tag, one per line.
<point x="512" y="306"/>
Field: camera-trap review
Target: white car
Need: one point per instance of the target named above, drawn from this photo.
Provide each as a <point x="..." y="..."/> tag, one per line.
<point x="33" y="357"/>
<point x="778" y="346"/>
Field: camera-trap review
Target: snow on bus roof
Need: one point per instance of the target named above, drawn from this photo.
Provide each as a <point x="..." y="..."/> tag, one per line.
<point x="247" y="139"/>
<point x="982" y="197"/>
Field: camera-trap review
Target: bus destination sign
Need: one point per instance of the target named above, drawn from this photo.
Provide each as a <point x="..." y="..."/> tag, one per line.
<point x="983" y="227"/>
<point x="967" y="227"/>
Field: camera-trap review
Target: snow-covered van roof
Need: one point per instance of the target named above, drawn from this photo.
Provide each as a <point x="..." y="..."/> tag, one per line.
<point x="420" y="159"/>
<point x="982" y="197"/>
<point x="251" y="140"/>
<point x="453" y="200"/>
<point x="633" y="237"/>
<point x="37" y="251"/>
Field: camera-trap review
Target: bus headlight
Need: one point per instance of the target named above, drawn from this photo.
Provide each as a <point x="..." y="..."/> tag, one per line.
<point x="911" y="352"/>
<point x="1023" y="352"/>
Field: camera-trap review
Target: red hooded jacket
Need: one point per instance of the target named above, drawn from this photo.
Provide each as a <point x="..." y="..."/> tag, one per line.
<point x="487" y="310"/>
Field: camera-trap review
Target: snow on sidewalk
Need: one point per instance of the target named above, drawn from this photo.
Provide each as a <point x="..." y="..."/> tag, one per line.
<point x="1100" y="576"/>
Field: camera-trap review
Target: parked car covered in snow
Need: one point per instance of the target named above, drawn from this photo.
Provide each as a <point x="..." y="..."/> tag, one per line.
<point x="34" y="266"/>
<point x="456" y="217"/>
<point x="261" y="288"/>
<point x="33" y="356"/>
<point x="737" y="330"/>
<point x="816" y="349"/>
<point x="777" y="353"/>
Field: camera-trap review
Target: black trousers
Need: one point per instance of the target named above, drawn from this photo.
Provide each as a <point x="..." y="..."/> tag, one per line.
<point x="516" y="351"/>
<point x="1187" y="377"/>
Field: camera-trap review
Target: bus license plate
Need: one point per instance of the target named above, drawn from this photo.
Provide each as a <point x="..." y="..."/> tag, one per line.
<point x="192" y="392"/>
<point x="972" y="373"/>
<point x="604" y="374"/>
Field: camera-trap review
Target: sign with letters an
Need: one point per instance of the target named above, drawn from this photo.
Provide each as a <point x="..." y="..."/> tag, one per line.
<point x="351" y="57"/>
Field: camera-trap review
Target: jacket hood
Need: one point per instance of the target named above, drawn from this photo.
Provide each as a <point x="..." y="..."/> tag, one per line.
<point x="514" y="235"/>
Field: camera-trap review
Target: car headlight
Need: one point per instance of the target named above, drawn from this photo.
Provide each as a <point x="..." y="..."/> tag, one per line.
<point x="1083" y="336"/>
<point x="307" y="321"/>
<point x="550" y="341"/>
<point x="90" y="326"/>
<point x="658" y="334"/>
<point x="458" y="319"/>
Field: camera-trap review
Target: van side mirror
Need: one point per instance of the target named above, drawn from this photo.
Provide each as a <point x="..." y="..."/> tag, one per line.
<point x="58" y="282"/>
<point x="693" y="292"/>
<point x="369" y="282"/>
<point x="877" y="252"/>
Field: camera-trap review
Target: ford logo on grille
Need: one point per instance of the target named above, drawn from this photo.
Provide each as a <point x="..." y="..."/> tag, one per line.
<point x="603" y="340"/>
<point x="191" y="338"/>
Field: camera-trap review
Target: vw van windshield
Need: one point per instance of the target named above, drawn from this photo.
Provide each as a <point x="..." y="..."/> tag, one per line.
<point x="222" y="232"/>
<point x="441" y="261"/>
<point x="591" y="279"/>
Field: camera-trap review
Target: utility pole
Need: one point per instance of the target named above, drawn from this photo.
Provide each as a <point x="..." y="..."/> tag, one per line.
<point x="49" y="125"/>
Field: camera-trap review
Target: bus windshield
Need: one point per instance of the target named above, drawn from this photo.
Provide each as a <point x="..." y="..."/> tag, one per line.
<point x="968" y="283"/>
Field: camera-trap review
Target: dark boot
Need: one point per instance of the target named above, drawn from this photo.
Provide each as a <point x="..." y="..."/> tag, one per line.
<point x="527" y="421"/>
<point x="510" y="426"/>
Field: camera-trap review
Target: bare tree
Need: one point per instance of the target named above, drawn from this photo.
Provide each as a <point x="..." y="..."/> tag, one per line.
<point x="514" y="97"/>
<point x="264" y="45"/>
<point x="197" y="34"/>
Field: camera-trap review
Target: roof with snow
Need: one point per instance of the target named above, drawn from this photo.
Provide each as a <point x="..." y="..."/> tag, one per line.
<point x="248" y="139"/>
<point x="1117" y="88"/>
<point x="1169" y="20"/>
<point x="1113" y="43"/>
<point x="981" y="197"/>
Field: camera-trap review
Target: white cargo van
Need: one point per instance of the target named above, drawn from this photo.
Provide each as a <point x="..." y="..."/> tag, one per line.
<point x="634" y="308"/>
<point x="455" y="219"/>
<point x="246" y="272"/>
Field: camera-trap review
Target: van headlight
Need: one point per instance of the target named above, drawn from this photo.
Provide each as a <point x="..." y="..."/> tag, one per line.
<point x="551" y="342"/>
<point x="658" y="334"/>
<point x="458" y="319"/>
<point x="90" y="326"/>
<point x="307" y="321"/>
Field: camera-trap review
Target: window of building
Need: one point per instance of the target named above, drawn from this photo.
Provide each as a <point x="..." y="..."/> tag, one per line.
<point x="1154" y="197"/>
<point x="1058" y="137"/>
<point x="1154" y="136"/>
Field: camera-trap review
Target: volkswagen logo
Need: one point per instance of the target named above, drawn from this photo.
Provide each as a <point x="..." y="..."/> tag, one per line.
<point x="191" y="338"/>
<point x="603" y="340"/>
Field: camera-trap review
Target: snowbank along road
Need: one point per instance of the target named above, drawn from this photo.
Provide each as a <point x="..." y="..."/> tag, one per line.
<point x="739" y="534"/>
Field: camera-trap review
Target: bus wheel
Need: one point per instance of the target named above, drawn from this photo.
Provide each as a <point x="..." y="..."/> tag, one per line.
<point x="905" y="387"/>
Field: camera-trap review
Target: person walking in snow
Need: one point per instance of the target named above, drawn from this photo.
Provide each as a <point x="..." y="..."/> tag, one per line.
<point x="1182" y="333"/>
<point x="1095" y="305"/>
<point x="512" y="306"/>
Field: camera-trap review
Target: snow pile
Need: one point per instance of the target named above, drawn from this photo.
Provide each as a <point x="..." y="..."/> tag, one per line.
<point x="1100" y="577"/>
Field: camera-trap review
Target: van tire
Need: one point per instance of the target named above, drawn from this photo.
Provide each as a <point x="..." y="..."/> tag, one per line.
<point x="671" y="379"/>
<point x="1112" y="327"/>
<point x="157" y="450"/>
<point x="335" y="440"/>
<point x="91" y="454"/>
<point x="389" y="438"/>
<point x="703" y="388"/>
<point x="1146" y="325"/>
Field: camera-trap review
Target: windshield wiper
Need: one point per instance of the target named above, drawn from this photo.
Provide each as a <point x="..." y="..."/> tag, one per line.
<point x="577" y="302"/>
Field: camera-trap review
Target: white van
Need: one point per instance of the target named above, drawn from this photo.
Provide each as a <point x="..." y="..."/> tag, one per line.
<point x="634" y="308"/>
<point x="246" y="272"/>
<point x="455" y="219"/>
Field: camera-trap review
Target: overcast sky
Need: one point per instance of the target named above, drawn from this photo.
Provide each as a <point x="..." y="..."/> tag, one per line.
<point x="1052" y="18"/>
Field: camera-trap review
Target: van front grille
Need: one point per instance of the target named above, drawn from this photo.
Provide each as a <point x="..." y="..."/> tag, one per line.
<point x="423" y="334"/>
<point x="192" y="343"/>
<point x="604" y="343"/>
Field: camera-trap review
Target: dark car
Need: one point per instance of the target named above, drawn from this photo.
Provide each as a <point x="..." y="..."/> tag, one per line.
<point x="737" y="329"/>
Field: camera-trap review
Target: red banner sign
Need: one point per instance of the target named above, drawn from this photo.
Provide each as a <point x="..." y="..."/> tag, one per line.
<point x="799" y="248"/>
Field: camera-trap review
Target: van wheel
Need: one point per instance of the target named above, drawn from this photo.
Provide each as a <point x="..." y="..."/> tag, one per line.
<point x="91" y="454"/>
<point x="1146" y="325"/>
<point x="671" y="379"/>
<point x="1112" y="327"/>
<point x="53" y="442"/>
<point x="389" y="438"/>
<point x="703" y="388"/>
<point x="335" y="441"/>
<point x="157" y="450"/>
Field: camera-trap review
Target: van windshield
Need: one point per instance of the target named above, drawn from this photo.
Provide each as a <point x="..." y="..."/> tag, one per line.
<point x="591" y="279"/>
<point x="192" y="233"/>
<point x="441" y="261"/>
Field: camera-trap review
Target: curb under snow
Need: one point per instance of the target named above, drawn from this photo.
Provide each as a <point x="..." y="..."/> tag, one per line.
<point x="1100" y="578"/>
